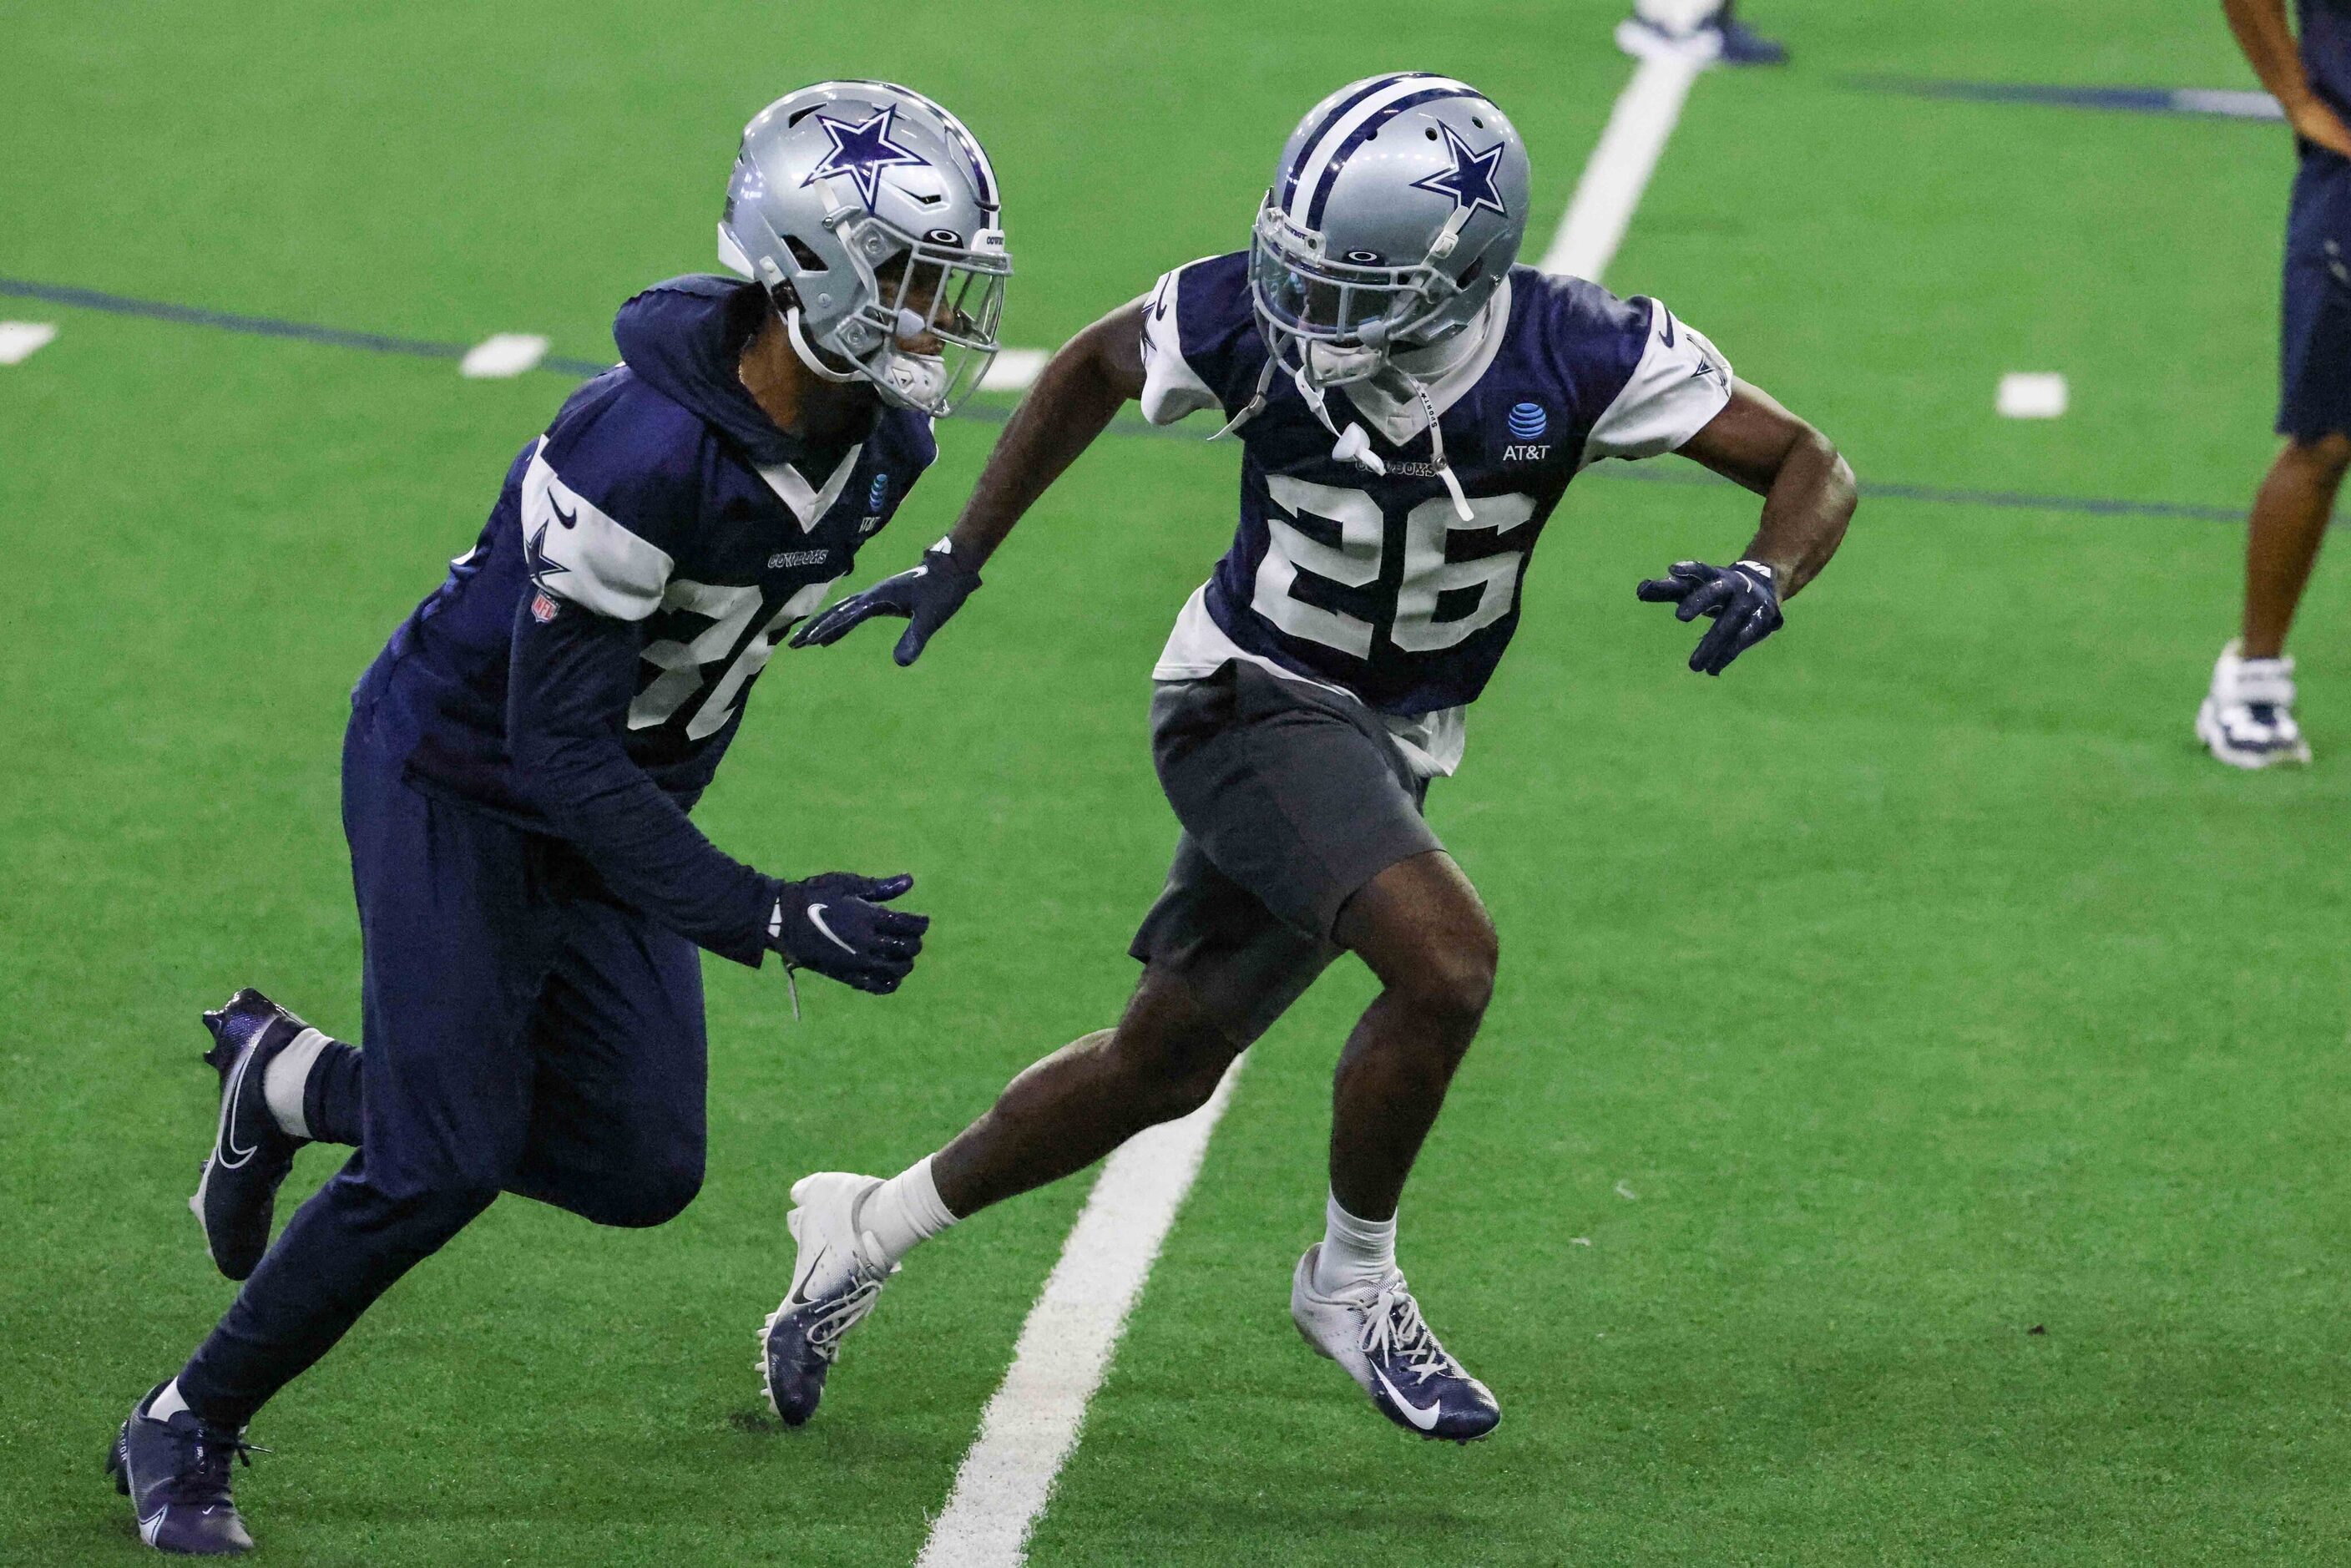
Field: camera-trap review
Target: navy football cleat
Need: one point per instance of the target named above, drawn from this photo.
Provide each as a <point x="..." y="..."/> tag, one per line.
<point x="175" y="1474"/>
<point x="1743" y="46"/>
<point x="1379" y="1337"/>
<point x="836" y="1278"/>
<point x="237" y="1192"/>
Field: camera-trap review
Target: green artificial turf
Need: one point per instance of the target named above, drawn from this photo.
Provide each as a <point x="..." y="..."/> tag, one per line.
<point x="1915" y="987"/>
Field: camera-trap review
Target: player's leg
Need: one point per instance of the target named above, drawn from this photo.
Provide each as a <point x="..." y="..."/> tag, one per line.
<point x="454" y="960"/>
<point x="1220" y="967"/>
<point x="1421" y="928"/>
<point x="2247" y="717"/>
<point x="2290" y="515"/>
<point x="1163" y="1059"/>
<point x="620" y="1071"/>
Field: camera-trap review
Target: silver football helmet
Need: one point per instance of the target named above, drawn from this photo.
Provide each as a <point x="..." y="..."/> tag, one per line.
<point x="1395" y="211"/>
<point x="870" y="215"/>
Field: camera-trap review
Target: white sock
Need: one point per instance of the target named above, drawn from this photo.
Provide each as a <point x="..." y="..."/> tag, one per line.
<point x="1357" y="1254"/>
<point x="166" y="1404"/>
<point x="287" y="1075"/>
<point x="1679" y="16"/>
<point x="903" y="1211"/>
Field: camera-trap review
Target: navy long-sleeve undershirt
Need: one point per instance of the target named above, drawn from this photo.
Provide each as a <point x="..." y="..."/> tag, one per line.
<point x="570" y="681"/>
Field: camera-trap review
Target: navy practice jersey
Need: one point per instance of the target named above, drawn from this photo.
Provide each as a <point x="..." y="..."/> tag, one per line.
<point x="2326" y="51"/>
<point x="583" y="667"/>
<point x="1373" y="582"/>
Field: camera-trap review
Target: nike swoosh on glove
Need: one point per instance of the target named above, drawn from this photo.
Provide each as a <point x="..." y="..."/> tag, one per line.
<point x="925" y="595"/>
<point x="1742" y="598"/>
<point x="836" y="925"/>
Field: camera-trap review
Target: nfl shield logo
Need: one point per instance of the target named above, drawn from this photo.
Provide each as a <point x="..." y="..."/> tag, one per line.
<point x="542" y="608"/>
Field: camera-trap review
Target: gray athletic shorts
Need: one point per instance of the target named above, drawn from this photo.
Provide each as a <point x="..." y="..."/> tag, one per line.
<point x="1291" y="798"/>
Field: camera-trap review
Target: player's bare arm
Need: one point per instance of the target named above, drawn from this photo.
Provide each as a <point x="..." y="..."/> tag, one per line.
<point x="1076" y="396"/>
<point x="1808" y="499"/>
<point x="1807" y="487"/>
<point x="1082" y="389"/>
<point x="2263" y="33"/>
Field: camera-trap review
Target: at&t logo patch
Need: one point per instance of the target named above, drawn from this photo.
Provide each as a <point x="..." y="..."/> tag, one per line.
<point x="1528" y="423"/>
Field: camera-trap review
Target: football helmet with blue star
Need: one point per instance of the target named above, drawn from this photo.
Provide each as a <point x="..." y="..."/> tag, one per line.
<point x="870" y="215"/>
<point x="1397" y="207"/>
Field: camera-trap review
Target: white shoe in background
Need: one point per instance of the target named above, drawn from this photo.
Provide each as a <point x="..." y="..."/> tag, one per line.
<point x="2247" y="720"/>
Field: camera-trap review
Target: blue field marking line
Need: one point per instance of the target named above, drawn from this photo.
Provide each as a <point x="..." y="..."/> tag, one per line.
<point x="2205" y="102"/>
<point x="266" y="325"/>
<point x="998" y="413"/>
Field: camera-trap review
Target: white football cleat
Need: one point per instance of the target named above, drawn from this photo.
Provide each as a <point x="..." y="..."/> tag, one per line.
<point x="1379" y="1337"/>
<point x="2247" y="720"/>
<point x="836" y="1277"/>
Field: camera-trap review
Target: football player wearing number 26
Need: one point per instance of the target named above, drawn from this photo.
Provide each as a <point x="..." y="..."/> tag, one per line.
<point x="522" y="756"/>
<point x="1410" y="407"/>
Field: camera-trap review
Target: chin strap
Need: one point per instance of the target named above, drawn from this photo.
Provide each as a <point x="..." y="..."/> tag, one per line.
<point x="1254" y="406"/>
<point x="1353" y="445"/>
<point x="809" y="356"/>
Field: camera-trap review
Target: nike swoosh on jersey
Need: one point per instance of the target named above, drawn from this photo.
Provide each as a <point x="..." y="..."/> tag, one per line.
<point x="1423" y="1420"/>
<point x="816" y="918"/>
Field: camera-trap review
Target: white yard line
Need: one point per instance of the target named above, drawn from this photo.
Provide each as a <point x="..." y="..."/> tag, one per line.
<point x="2032" y="394"/>
<point x="1619" y="171"/>
<point x="1014" y="369"/>
<point x="20" y="340"/>
<point x="1032" y="1423"/>
<point x="503" y="356"/>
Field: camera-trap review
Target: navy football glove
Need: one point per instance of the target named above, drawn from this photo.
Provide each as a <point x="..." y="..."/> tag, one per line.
<point x="835" y="923"/>
<point x="927" y="595"/>
<point x="1743" y="599"/>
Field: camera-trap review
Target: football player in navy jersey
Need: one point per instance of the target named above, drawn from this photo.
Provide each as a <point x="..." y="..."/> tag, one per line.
<point x="522" y="757"/>
<point x="2247" y="717"/>
<point x="1410" y="407"/>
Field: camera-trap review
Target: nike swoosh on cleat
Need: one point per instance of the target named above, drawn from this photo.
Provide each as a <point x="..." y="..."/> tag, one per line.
<point x="229" y="1157"/>
<point x="1423" y="1420"/>
<point x="816" y="918"/>
<point x="799" y="1292"/>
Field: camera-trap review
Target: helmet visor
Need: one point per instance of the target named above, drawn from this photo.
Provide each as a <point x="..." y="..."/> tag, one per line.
<point x="941" y="304"/>
<point x="1306" y="295"/>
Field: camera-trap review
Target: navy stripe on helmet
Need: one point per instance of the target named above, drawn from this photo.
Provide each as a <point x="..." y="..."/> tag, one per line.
<point x="1361" y="134"/>
<point x="1323" y="125"/>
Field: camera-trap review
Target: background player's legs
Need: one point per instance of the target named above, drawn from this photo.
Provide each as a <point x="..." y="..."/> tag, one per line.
<point x="1163" y="1061"/>
<point x="1420" y="926"/>
<point x="2289" y="523"/>
<point x="2247" y="719"/>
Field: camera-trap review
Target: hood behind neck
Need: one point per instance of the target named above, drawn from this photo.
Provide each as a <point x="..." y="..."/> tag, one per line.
<point x="686" y="339"/>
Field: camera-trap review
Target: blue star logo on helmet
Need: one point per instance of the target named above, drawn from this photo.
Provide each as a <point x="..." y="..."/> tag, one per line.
<point x="1470" y="180"/>
<point x="861" y="150"/>
<point x="1527" y="420"/>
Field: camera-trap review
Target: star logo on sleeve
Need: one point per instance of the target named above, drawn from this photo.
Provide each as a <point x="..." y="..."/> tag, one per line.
<point x="861" y="150"/>
<point x="541" y="565"/>
<point x="1470" y="180"/>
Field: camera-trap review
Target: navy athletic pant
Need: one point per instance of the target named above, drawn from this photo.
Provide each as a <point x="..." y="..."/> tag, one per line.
<point x="524" y="1033"/>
